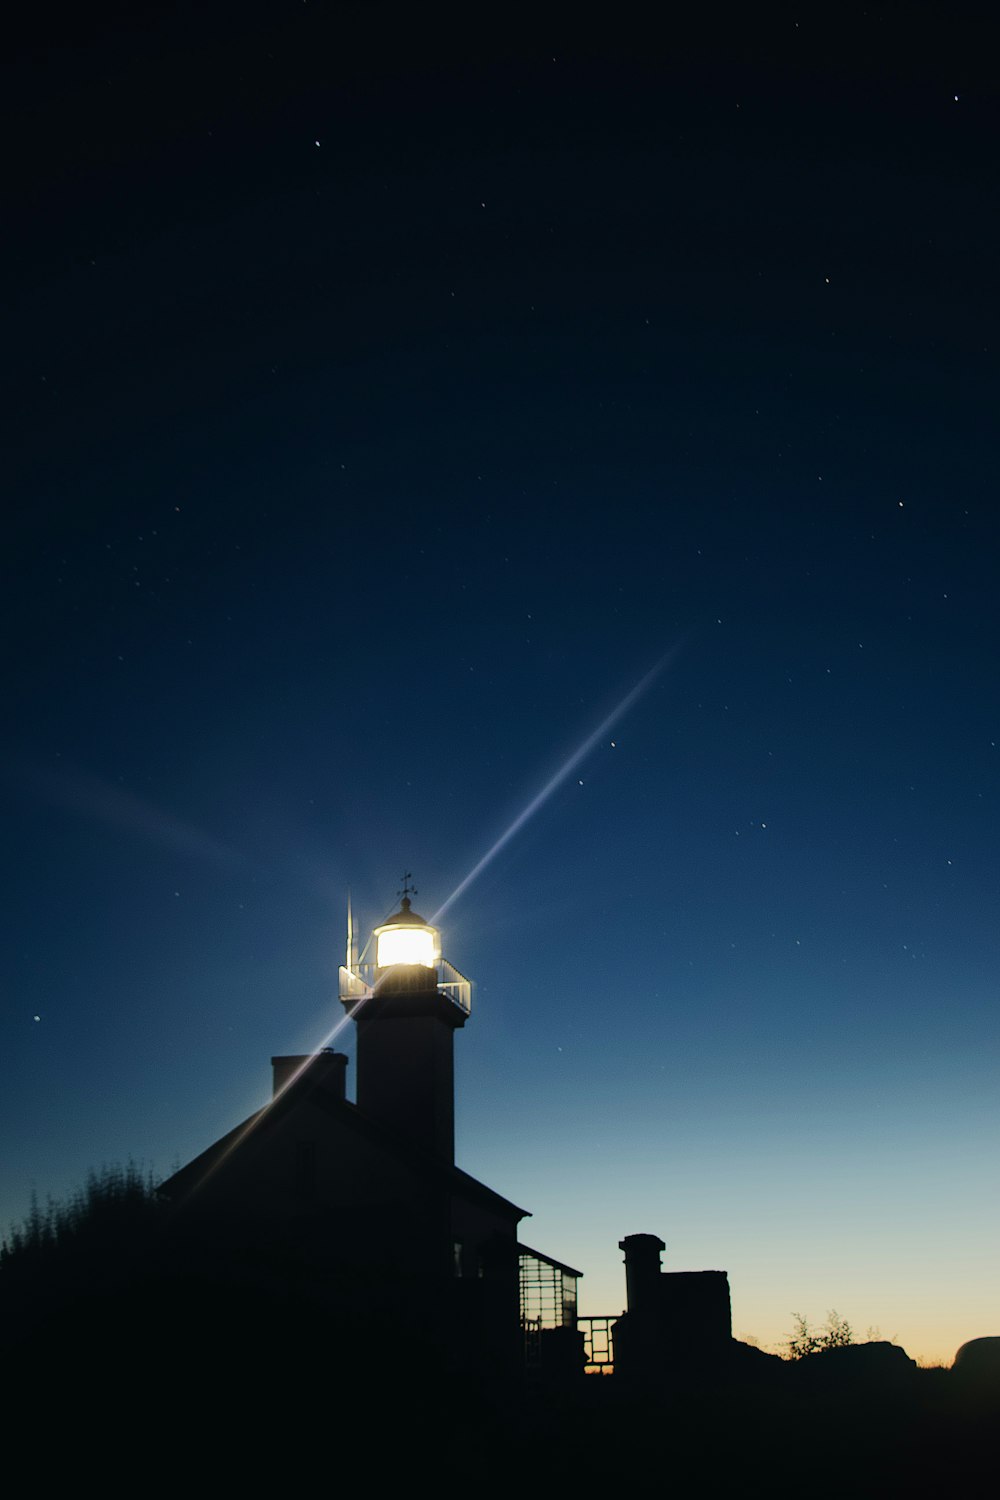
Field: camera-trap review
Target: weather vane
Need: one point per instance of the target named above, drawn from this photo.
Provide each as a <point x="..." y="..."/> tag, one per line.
<point x="408" y="889"/>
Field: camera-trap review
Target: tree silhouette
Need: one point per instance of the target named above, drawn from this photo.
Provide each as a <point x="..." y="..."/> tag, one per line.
<point x="116" y="1207"/>
<point x="836" y="1333"/>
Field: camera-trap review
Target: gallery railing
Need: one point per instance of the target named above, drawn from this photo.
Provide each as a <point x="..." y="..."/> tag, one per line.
<point x="358" y="984"/>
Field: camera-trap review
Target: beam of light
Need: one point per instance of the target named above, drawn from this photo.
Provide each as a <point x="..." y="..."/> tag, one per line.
<point x="261" y="1115"/>
<point x="321" y="1046"/>
<point x="91" y="797"/>
<point x="567" y="769"/>
<point x="541" y="797"/>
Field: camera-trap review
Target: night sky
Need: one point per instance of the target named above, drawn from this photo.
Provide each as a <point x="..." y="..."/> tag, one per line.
<point x="386" y="395"/>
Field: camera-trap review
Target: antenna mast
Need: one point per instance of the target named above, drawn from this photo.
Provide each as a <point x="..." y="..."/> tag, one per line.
<point x="352" y="947"/>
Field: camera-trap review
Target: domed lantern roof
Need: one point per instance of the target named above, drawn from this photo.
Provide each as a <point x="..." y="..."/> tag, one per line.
<point x="405" y="938"/>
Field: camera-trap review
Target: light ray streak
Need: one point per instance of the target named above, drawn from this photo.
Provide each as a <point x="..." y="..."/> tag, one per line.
<point x="92" y="797"/>
<point x="553" y="783"/>
<point x="556" y="781"/>
<point x="261" y="1114"/>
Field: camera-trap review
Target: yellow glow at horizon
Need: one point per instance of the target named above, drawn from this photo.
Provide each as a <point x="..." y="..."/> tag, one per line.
<point x="407" y="945"/>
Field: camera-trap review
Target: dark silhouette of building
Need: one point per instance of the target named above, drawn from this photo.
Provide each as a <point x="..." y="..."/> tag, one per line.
<point x="676" y="1320"/>
<point x="356" y="1212"/>
<point x="327" y="1260"/>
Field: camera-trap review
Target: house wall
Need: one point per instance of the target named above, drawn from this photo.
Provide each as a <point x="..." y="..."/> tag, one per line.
<point x="486" y="1329"/>
<point x="694" y="1311"/>
<point x="311" y="1209"/>
<point x="681" y="1323"/>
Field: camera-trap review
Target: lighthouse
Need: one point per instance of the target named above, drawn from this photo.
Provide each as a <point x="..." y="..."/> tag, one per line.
<point x="407" y="1005"/>
<point x="361" y="1202"/>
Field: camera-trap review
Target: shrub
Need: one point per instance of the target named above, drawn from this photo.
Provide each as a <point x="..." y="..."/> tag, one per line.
<point x="835" y="1334"/>
<point x="115" y="1207"/>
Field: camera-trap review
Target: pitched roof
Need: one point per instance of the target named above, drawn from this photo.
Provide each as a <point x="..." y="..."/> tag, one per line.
<point x="346" y="1116"/>
<point x="548" y="1260"/>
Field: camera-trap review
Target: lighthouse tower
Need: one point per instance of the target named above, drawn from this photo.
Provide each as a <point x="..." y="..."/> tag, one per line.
<point x="407" y="1006"/>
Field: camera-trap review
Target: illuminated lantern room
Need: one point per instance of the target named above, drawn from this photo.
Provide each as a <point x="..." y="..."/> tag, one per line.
<point x="406" y="959"/>
<point x="406" y="939"/>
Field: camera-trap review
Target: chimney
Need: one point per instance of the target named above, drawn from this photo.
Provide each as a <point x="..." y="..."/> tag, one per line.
<point x="324" y="1072"/>
<point x="642" y="1273"/>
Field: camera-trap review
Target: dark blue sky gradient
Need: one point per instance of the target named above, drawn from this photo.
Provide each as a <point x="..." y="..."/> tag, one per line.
<point x="353" y="484"/>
